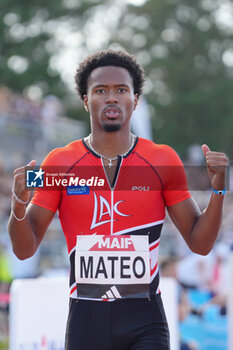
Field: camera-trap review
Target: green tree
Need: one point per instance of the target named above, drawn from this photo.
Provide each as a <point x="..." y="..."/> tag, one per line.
<point x="41" y="42"/>
<point x="30" y="41"/>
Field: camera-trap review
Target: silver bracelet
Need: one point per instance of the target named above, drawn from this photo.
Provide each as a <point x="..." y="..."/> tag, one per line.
<point x="18" y="199"/>
<point x="18" y="219"/>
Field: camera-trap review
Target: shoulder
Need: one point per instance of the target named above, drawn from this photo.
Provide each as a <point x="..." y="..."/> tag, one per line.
<point x="65" y="155"/>
<point x="159" y="153"/>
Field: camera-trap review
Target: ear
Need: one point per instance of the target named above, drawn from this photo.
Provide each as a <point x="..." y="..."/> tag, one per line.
<point x="85" y="101"/>
<point x="136" y="98"/>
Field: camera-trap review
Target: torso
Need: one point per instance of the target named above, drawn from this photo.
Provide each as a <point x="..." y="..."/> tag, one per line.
<point x="130" y="203"/>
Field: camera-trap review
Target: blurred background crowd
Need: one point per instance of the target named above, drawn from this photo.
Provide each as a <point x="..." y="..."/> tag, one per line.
<point x="186" y="49"/>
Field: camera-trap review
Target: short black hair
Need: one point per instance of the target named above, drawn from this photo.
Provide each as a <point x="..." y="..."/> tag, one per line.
<point x="105" y="58"/>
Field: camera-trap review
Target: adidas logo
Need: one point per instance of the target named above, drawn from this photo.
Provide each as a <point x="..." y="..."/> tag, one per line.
<point x="112" y="293"/>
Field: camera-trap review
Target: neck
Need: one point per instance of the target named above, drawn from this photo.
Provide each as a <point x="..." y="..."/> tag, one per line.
<point x="111" y="144"/>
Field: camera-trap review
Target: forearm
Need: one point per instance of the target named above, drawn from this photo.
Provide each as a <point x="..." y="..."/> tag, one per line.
<point x="23" y="239"/>
<point x="205" y="230"/>
<point x="26" y="231"/>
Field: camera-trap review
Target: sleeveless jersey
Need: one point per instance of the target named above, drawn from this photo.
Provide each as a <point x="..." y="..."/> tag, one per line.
<point x="148" y="178"/>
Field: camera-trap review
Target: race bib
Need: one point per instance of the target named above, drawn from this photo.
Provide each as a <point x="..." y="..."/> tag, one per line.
<point x="115" y="267"/>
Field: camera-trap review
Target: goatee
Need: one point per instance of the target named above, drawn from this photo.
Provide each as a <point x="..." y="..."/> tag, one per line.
<point x="111" y="127"/>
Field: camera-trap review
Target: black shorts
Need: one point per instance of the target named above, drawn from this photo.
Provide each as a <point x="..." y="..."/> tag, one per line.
<point x="128" y="324"/>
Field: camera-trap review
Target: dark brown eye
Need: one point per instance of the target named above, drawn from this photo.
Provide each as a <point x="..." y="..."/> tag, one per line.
<point x="122" y="90"/>
<point x="100" y="91"/>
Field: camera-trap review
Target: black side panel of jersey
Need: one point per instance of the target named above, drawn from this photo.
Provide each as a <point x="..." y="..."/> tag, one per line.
<point x="72" y="268"/>
<point x="153" y="232"/>
<point x="154" y="285"/>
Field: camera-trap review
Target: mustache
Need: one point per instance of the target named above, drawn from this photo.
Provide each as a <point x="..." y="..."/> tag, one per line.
<point x="111" y="106"/>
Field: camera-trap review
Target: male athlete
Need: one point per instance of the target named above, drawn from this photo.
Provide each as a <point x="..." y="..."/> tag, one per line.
<point x="113" y="233"/>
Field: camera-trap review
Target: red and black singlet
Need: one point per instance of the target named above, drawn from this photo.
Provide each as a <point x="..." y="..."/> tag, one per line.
<point x="148" y="178"/>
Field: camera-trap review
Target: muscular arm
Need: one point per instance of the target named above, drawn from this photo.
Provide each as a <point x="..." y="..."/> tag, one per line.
<point x="200" y="230"/>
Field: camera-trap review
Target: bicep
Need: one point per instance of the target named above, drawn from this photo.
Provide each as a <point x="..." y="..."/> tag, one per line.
<point x="184" y="215"/>
<point x="39" y="219"/>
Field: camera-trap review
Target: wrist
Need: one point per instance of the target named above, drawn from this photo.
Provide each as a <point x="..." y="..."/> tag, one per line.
<point x="16" y="205"/>
<point x="21" y="216"/>
<point x="19" y="200"/>
<point x="218" y="182"/>
<point x="18" y="210"/>
<point x="220" y="192"/>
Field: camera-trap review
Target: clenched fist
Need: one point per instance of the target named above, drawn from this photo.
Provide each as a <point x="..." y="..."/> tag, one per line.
<point x="216" y="165"/>
<point x="19" y="186"/>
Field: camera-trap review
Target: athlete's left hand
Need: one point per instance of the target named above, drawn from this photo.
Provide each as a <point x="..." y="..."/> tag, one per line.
<point x="216" y="165"/>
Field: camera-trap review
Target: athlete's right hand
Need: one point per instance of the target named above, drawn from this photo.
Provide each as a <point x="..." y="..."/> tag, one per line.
<point x="19" y="185"/>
